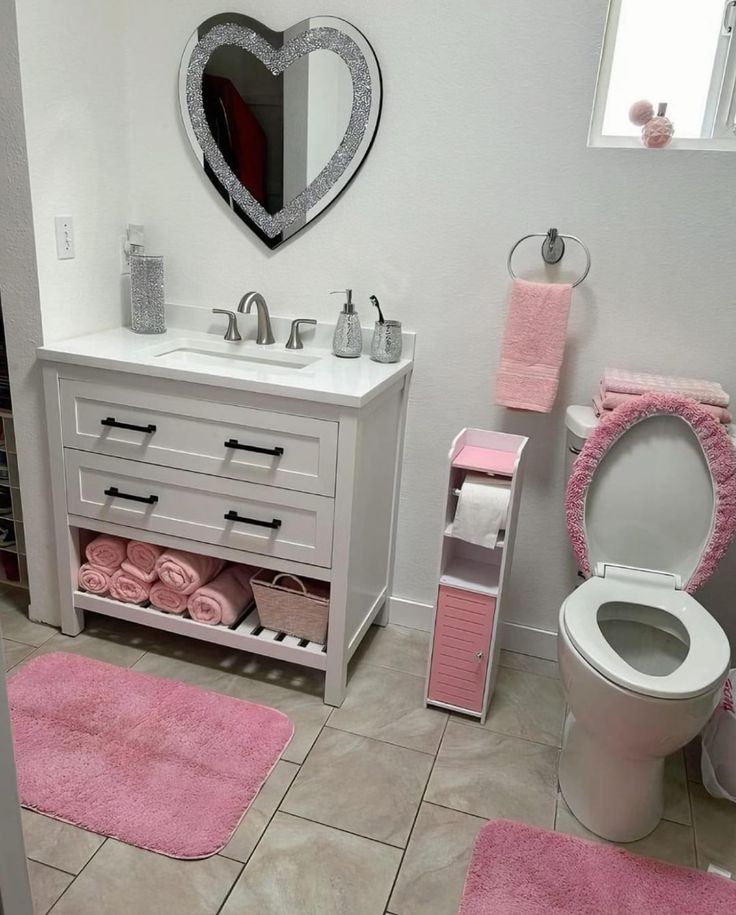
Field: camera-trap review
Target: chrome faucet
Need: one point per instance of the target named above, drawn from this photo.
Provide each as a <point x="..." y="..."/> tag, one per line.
<point x="265" y="334"/>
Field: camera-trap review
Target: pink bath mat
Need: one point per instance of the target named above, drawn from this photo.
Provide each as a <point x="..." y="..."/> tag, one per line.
<point x="152" y="762"/>
<point x="521" y="870"/>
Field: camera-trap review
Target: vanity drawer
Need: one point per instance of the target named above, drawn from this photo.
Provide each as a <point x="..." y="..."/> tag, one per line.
<point x="263" y="519"/>
<point x="296" y="452"/>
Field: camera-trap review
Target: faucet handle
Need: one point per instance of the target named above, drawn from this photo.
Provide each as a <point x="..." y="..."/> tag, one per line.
<point x="295" y="340"/>
<point x="232" y="334"/>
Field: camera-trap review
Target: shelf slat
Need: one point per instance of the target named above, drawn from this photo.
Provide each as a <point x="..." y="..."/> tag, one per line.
<point x="241" y="638"/>
<point x="470" y="575"/>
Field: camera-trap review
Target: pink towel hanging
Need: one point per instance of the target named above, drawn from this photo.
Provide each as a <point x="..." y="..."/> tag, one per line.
<point x="533" y="345"/>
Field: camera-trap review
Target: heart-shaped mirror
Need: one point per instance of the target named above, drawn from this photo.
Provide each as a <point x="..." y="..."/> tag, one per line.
<point x="279" y="121"/>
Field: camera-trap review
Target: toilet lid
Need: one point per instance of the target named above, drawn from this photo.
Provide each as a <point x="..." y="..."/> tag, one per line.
<point x="654" y="488"/>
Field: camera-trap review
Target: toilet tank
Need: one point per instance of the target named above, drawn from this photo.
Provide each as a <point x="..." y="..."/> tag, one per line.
<point x="580" y="422"/>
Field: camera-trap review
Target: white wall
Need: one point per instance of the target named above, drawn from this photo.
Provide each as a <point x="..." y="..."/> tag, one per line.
<point x="22" y="315"/>
<point x="73" y="70"/>
<point x="483" y="139"/>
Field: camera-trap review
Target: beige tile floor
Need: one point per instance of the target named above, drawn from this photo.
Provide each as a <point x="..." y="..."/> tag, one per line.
<point x="374" y="807"/>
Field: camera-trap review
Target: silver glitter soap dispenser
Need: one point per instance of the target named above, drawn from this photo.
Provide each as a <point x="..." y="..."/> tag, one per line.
<point x="348" y="340"/>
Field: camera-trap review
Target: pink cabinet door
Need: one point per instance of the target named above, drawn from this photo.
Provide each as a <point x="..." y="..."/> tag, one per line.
<point x="462" y="639"/>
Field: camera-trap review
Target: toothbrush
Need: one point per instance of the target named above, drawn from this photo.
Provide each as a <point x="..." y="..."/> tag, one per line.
<point x="374" y="301"/>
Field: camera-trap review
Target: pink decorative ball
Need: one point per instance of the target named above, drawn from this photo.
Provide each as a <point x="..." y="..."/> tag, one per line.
<point x="641" y="112"/>
<point x="657" y="133"/>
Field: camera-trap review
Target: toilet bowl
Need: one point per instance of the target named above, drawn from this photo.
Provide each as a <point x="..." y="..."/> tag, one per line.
<point x="651" y="508"/>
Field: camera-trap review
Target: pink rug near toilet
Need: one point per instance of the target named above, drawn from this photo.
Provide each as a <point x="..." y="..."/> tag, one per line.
<point x="522" y="870"/>
<point x="154" y="763"/>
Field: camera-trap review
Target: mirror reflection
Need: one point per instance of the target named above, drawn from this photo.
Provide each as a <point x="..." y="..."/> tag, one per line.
<point x="278" y="132"/>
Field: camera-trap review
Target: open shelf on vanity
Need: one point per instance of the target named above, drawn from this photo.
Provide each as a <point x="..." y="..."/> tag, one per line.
<point x="249" y="635"/>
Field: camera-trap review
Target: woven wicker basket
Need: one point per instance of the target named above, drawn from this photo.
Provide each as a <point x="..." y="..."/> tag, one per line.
<point x="300" y="610"/>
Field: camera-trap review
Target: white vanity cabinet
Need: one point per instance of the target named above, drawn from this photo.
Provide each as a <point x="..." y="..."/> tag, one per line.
<point x="308" y="476"/>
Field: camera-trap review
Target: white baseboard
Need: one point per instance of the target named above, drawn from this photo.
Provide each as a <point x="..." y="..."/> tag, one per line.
<point x="410" y="613"/>
<point x="539" y="643"/>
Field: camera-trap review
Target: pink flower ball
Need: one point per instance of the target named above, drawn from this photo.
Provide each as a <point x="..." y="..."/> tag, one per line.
<point x="641" y="112"/>
<point x="657" y="133"/>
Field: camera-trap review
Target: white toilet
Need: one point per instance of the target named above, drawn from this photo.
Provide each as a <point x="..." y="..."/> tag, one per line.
<point x="642" y="662"/>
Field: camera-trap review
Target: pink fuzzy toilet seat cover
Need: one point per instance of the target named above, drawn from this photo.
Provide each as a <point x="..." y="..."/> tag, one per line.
<point x="719" y="453"/>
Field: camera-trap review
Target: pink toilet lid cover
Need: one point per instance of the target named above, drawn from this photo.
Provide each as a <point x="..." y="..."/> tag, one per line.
<point x="720" y="455"/>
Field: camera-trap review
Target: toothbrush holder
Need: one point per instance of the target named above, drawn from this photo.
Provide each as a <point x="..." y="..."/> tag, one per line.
<point x="386" y="343"/>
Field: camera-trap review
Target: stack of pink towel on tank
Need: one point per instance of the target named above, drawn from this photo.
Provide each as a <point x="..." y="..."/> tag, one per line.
<point x="619" y="387"/>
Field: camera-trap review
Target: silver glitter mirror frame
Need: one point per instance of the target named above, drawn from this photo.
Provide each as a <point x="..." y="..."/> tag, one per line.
<point x="277" y="51"/>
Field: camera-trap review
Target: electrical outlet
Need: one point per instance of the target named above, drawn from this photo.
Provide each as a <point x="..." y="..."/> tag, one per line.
<point x="64" y="226"/>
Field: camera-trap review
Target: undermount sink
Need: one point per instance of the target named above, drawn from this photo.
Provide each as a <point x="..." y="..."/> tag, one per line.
<point x="197" y="355"/>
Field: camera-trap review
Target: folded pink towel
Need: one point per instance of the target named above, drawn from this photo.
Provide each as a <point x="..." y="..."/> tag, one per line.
<point x="143" y="556"/>
<point x="165" y="599"/>
<point x="129" y="588"/>
<point x="533" y="345"/>
<point x="94" y="580"/>
<point x="219" y="603"/>
<point x="132" y="569"/>
<point x="106" y="552"/>
<point x="609" y="400"/>
<point x="185" y="572"/>
<point x="625" y="382"/>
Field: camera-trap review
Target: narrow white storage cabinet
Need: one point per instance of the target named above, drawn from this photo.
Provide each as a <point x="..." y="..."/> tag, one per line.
<point x="293" y="479"/>
<point x="466" y="642"/>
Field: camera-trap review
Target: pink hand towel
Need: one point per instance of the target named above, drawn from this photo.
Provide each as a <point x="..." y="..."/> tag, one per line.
<point x="185" y="572"/>
<point x="165" y="599"/>
<point x="129" y="588"/>
<point x="94" y="580"/>
<point x="143" y="556"/>
<point x="219" y="603"/>
<point x="609" y="400"/>
<point x="625" y="382"/>
<point x="533" y="345"/>
<point x="106" y="552"/>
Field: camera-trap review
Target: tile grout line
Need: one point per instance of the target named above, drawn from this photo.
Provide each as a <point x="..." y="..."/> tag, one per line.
<point x="390" y="743"/>
<point x="484" y="727"/>
<point x="277" y="809"/>
<point x="416" y="815"/>
<point x="55" y="868"/>
<point x="71" y="884"/>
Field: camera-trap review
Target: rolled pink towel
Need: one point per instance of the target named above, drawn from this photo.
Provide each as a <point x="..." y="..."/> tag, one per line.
<point x="185" y="572"/>
<point x="106" y="552"/>
<point x="143" y="556"/>
<point x="129" y="588"/>
<point x="94" y="580"/>
<point x="219" y="603"/>
<point x="163" y="598"/>
<point x="132" y="569"/>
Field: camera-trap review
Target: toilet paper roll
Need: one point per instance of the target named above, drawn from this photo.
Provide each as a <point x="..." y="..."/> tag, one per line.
<point x="481" y="510"/>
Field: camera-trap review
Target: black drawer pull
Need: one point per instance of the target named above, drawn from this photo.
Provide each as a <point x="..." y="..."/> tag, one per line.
<point x="115" y="492"/>
<point x="111" y="421"/>
<point x="234" y="516"/>
<point x="234" y="443"/>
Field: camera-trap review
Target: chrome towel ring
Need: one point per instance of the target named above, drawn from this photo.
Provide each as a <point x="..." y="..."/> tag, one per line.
<point x="553" y="250"/>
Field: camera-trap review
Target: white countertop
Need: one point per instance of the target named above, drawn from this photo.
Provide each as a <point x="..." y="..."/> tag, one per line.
<point x="187" y="353"/>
